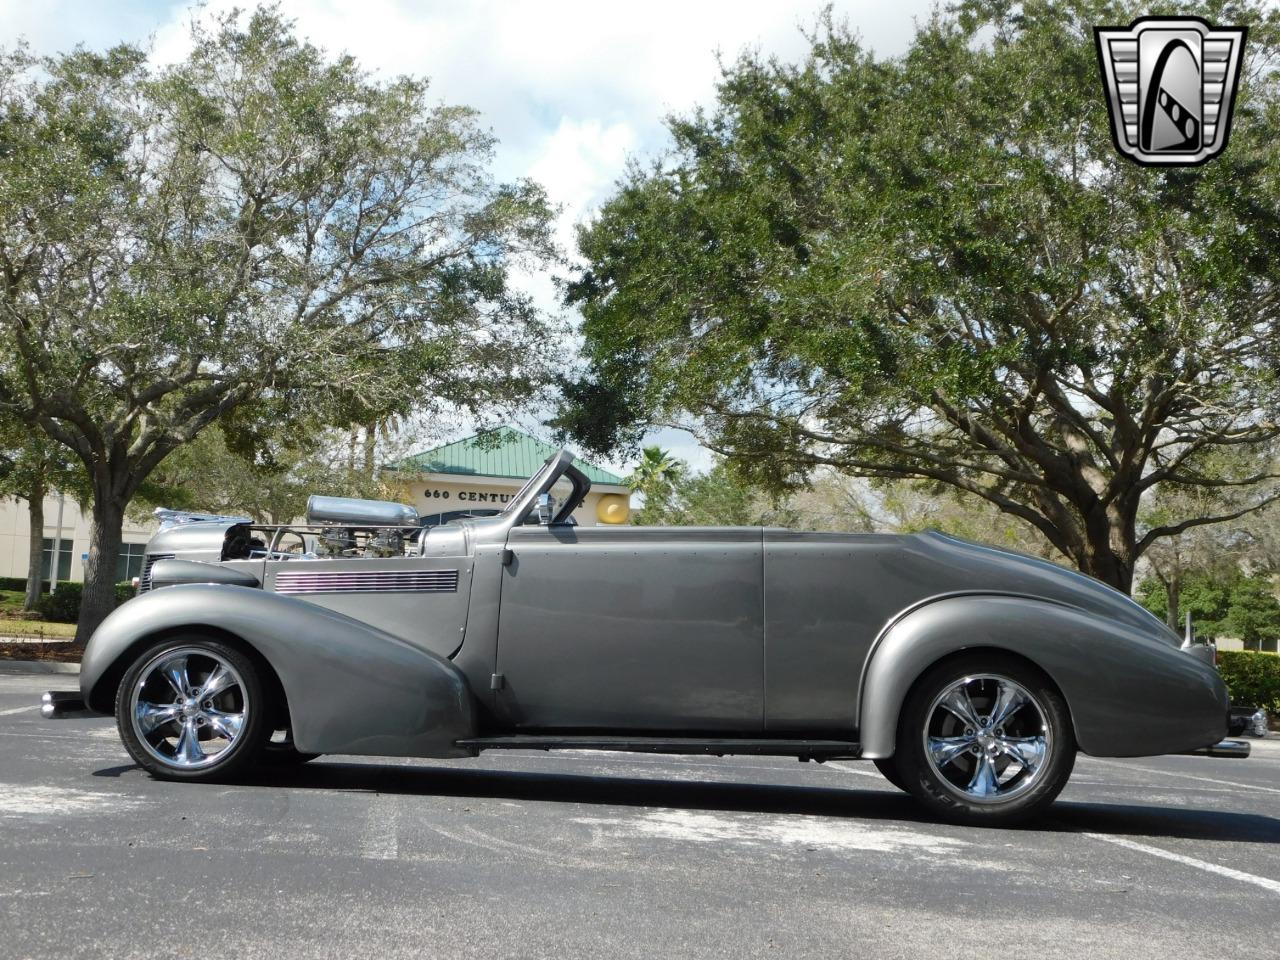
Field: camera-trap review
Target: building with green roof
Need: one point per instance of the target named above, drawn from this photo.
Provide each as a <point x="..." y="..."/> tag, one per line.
<point x="479" y="474"/>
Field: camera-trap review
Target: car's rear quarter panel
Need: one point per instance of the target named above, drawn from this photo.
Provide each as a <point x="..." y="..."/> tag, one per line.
<point x="842" y="646"/>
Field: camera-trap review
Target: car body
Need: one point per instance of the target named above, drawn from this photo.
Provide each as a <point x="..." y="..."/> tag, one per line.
<point x="365" y="634"/>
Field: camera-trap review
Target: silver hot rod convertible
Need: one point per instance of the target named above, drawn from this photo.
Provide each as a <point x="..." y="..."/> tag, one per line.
<point x="970" y="676"/>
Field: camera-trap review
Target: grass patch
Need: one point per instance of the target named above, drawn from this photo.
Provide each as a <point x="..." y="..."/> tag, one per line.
<point x="11" y="601"/>
<point x="60" y="652"/>
<point x="36" y="628"/>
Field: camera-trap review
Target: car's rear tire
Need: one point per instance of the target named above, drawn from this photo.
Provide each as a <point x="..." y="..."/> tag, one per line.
<point x="192" y="708"/>
<point x="985" y="739"/>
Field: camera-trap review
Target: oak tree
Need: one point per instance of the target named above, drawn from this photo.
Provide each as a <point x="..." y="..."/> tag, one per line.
<point x="259" y="223"/>
<point x="937" y="266"/>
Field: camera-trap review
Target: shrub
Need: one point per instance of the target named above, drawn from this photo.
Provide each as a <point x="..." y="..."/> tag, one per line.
<point x="64" y="604"/>
<point x="1252" y="678"/>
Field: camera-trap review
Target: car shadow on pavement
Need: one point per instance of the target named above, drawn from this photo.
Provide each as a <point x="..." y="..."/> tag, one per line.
<point x="1186" y="823"/>
<point x="847" y="802"/>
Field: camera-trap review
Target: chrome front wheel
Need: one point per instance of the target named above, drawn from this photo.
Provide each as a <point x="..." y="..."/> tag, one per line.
<point x="191" y="710"/>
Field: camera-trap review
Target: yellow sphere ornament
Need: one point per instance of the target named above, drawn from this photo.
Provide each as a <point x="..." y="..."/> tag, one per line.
<point x="613" y="508"/>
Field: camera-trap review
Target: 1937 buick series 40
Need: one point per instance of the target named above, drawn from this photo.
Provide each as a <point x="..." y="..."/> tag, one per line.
<point x="971" y="676"/>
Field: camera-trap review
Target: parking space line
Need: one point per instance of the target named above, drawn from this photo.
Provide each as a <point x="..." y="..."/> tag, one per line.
<point x="13" y="710"/>
<point x="1264" y="882"/>
<point x="1186" y="776"/>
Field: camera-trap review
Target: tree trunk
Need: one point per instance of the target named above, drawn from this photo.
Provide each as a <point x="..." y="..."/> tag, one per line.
<point x="35" y="554"/>
<point x="370" y="449"/>
<point x="1103" y="562"/>
<point x="1173" y="600"/>
<point x="1105" y="543"/>
<point x="105" y="534"/>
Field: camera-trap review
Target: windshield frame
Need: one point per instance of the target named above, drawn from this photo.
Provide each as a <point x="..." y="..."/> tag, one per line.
<point x="553" y="468"/>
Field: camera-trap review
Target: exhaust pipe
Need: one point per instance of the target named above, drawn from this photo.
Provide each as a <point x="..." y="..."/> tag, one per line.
<point x="1238" y="749"/>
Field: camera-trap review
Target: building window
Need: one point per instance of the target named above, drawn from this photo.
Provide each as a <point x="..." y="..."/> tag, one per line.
<point x="64" y="559"/>
<point x="129" y="563"/>
<point x="439" y="519"/>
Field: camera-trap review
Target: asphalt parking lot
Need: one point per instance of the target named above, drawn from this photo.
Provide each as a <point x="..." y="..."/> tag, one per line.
<point x="615" y="855"/>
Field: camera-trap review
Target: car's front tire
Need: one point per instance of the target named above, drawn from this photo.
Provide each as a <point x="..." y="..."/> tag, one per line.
<point x="985" y="739"/>
<point x="193" y="708"/>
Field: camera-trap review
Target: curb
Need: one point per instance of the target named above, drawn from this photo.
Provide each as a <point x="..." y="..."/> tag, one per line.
<point x="37" y="666"/>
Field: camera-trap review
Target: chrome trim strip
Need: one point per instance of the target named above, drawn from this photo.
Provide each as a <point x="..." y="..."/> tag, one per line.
<point x="373" y="581"/>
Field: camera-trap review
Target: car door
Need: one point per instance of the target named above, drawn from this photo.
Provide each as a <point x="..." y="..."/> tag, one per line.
<point x="632" y="629"/>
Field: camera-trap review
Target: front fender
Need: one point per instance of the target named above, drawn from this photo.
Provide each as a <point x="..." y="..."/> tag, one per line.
<point x="1130" y="694"/>
<point x="351" y="688"/>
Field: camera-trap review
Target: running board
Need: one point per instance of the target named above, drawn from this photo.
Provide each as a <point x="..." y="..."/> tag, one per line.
<point x="773" y="747"/>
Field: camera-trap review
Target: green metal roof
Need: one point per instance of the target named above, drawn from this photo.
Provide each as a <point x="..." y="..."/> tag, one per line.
<point x="504" y="452"/>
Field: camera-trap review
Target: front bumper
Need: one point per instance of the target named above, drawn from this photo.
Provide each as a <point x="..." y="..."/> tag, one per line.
<point x="1237" y="749"/>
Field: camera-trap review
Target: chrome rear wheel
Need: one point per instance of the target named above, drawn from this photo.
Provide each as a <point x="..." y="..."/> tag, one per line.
<point x="985" y="738"/>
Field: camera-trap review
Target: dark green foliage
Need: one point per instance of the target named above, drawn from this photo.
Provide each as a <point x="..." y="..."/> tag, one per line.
<point x="1253" y="612"/>
<point x="1252" y="678"/>
<point x="720" y="497"/>
<point x="63" y="604"/>
<point x="1226" y="604"/>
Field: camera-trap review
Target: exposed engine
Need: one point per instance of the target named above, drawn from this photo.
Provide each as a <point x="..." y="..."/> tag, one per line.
<point x="334" y="527"/>
<point x="350" y="535"/>
<point x="353" y="542"/>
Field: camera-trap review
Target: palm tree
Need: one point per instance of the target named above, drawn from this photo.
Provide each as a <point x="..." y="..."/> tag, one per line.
<point x="655" y="478"/>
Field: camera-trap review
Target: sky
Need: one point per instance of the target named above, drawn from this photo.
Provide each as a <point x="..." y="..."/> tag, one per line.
<point x="571" y="90"/>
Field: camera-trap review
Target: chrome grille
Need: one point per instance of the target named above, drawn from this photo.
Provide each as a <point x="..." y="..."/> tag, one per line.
<point x="372" y="581"/>
<point x="144" y="582"/>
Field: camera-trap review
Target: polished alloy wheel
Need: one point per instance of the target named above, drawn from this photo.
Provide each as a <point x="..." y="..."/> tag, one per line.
<point x="189" y="707"/>
<point x="987" y="738"/>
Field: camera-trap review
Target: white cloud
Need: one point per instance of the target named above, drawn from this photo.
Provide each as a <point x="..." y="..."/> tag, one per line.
<point x="577" y="164"/>
<point x="570" y="89"/>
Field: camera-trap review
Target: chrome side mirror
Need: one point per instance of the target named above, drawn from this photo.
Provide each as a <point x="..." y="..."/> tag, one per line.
<point x="546" y="509"/>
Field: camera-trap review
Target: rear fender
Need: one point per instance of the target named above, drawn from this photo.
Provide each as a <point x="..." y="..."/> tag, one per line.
<point x="351" y="688"/>
<point x="1130" y="694"/>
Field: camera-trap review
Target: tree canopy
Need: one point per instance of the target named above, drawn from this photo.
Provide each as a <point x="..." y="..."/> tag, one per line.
<point x="1228" y="603"/>
<point x="656" y="478"/>
<point x="259" y="226"/>
<point x="937" y="266"/>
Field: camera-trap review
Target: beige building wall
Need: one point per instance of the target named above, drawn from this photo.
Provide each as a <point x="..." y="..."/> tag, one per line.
<point x="15" y="537"/>
<point x="436" y="493"/>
